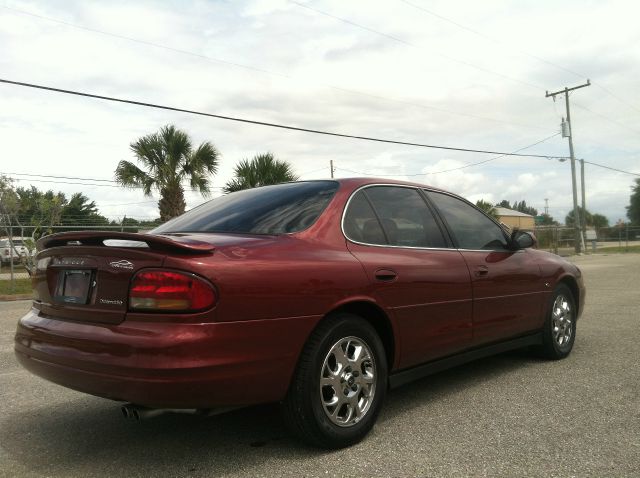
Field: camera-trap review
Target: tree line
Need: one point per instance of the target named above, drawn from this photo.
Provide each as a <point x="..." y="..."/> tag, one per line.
<point x="166" y="162"/>
<point x="595" y="220"/>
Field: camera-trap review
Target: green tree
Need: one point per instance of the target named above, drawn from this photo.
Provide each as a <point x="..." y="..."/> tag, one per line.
<point x="28" y="211"/>
<point x="587" y="217"/>
<point x="262" y="170"/>
<point x="519" y="206"/>
<point x="81" y="211"/>
<point x="168" y="159"/>
<point x="633" y="209"/>
<point x="487" y="207"/>
<point x="547" y="220"/>
<point x="39" y="211"/>
<point x="598" y="221"/>
<point x="522" y="207"/>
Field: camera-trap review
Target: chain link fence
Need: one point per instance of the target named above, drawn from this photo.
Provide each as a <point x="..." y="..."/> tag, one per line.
<point x="17" y="250"/>
<point x="561" y="239"/>
<point x="15" y="278"/>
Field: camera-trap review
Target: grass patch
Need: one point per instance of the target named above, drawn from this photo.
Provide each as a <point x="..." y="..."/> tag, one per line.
<point x="617" y="249"/>
<point x="21" y="286"/>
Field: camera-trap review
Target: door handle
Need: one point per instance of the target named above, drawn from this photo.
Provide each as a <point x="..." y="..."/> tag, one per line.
<point x="386" y="275"/>
<point x="481" y="271"/>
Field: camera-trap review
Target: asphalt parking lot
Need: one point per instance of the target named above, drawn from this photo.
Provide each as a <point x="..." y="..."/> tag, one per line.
<point x="510" y="415"/>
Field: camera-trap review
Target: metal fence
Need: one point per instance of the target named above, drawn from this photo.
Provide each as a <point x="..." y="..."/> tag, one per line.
<point x="561" y="240"/>
<point x="14" y="273"/>
<point x="556" y="239"/>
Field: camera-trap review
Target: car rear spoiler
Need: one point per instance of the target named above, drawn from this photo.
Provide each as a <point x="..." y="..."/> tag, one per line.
<point x="174" y="244"/>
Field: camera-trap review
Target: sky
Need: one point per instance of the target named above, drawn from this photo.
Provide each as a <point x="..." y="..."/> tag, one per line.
<point x="464" y="74"/>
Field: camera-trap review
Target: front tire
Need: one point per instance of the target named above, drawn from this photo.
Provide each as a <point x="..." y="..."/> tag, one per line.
<point x="559" y="331"/>
<point x="339" y="384"/>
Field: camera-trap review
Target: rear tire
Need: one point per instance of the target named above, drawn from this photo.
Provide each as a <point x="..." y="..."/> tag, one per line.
<point x="339" y="384"/>
<point x="559" y="332"/>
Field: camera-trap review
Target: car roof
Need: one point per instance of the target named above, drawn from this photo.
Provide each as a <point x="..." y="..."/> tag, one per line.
<point x="359" y="181"/>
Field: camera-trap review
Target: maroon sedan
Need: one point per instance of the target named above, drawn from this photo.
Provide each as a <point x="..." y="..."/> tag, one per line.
<point x="318" y="294"/>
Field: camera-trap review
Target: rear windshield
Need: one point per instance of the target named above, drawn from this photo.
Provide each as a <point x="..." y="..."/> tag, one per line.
<point x="279" y="209"/>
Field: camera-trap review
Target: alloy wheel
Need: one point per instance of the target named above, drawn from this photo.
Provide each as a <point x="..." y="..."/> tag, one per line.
<point x="562" y="321"/>
<point x="348" y="381"/>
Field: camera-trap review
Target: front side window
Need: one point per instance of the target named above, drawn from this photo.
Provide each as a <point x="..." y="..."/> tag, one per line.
<point x="280" y="209"/>
<point x="401" y="218"/>
<point x="471" y="228"/>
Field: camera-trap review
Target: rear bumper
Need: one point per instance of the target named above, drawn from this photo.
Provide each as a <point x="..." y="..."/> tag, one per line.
<point x="166" y="364"/>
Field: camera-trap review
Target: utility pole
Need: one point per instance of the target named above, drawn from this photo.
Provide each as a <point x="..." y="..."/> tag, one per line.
<point x="546" y="206"/>
<point x="331" y="167"/>
<point x="579" y="237"/>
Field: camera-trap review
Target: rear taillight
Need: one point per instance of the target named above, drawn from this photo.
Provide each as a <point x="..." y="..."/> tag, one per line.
<point x="170" y="291"/>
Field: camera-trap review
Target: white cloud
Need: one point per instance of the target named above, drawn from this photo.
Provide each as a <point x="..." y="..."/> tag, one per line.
<point x="424" y="92"/>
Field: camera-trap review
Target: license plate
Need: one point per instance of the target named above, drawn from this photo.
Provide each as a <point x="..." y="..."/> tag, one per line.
<point x="73" y="287"/>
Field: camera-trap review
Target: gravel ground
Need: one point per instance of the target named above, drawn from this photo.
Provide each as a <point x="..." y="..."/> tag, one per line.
<point x="510" y="415"/>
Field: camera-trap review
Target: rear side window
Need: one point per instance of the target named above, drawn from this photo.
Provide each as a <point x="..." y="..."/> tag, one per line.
<point x="471" y="228"/>
<point x="404" y="216"/>
<point x="279" y="209"/>
<point x="360" y="222"/>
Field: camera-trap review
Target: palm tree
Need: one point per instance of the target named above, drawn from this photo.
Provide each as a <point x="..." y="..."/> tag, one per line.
<point x="262" y="170"/>
<point x="169" y="159"/>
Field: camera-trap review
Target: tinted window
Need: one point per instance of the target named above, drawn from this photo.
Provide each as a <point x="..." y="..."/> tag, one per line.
<point x="406" y="219"/>
<point x="360" y="222"/>
<point x="472" y="229"/>
<point x="279" y="209"/>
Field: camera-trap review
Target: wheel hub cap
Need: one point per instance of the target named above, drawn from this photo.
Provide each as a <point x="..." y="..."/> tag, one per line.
<point x="562" y="321"/>
<point x="347" y="381"/>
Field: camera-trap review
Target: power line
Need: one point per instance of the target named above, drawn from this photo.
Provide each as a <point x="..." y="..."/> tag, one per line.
<point x="314" y="171"/>
<point x="407" y="43"/>
<point x="58" y="177"/>
<point x="490" y="38"/>
<point x="461" y="167"/>
<point x="83" y="184"/>
<point x="523" y="52"/>
<point x="497" y="157"/>
<point x="271" y="125"/>
<point x="491" y="159"/>
<point x="611" y="120"/>
<point x="609" y="167"/>
<point x="126" y="203"/>
<point x="143" y="42"/>
<point x="267" y="72"/>
<point x="67" y="182"/>
<point x="610" y="93"/>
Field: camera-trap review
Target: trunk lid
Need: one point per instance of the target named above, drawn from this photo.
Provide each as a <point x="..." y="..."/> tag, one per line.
<point x="85" y="276"/>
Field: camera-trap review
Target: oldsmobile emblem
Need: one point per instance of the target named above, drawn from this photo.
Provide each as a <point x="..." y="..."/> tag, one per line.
<point x="122" y="264"/>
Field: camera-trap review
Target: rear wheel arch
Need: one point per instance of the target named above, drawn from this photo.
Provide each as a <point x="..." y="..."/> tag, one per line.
<point x="377" y="317"/>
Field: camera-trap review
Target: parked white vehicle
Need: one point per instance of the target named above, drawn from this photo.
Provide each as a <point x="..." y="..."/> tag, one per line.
<point x="19" y="249"/>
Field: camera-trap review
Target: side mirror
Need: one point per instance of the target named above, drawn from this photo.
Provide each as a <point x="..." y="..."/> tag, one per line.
<point x="523" y="239"/>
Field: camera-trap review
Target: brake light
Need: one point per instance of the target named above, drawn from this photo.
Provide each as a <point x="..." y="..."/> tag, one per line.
<point x="170" y="291"/>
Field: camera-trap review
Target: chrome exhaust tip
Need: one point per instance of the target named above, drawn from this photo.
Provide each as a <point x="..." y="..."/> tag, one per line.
<point x="131" y="411"/>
